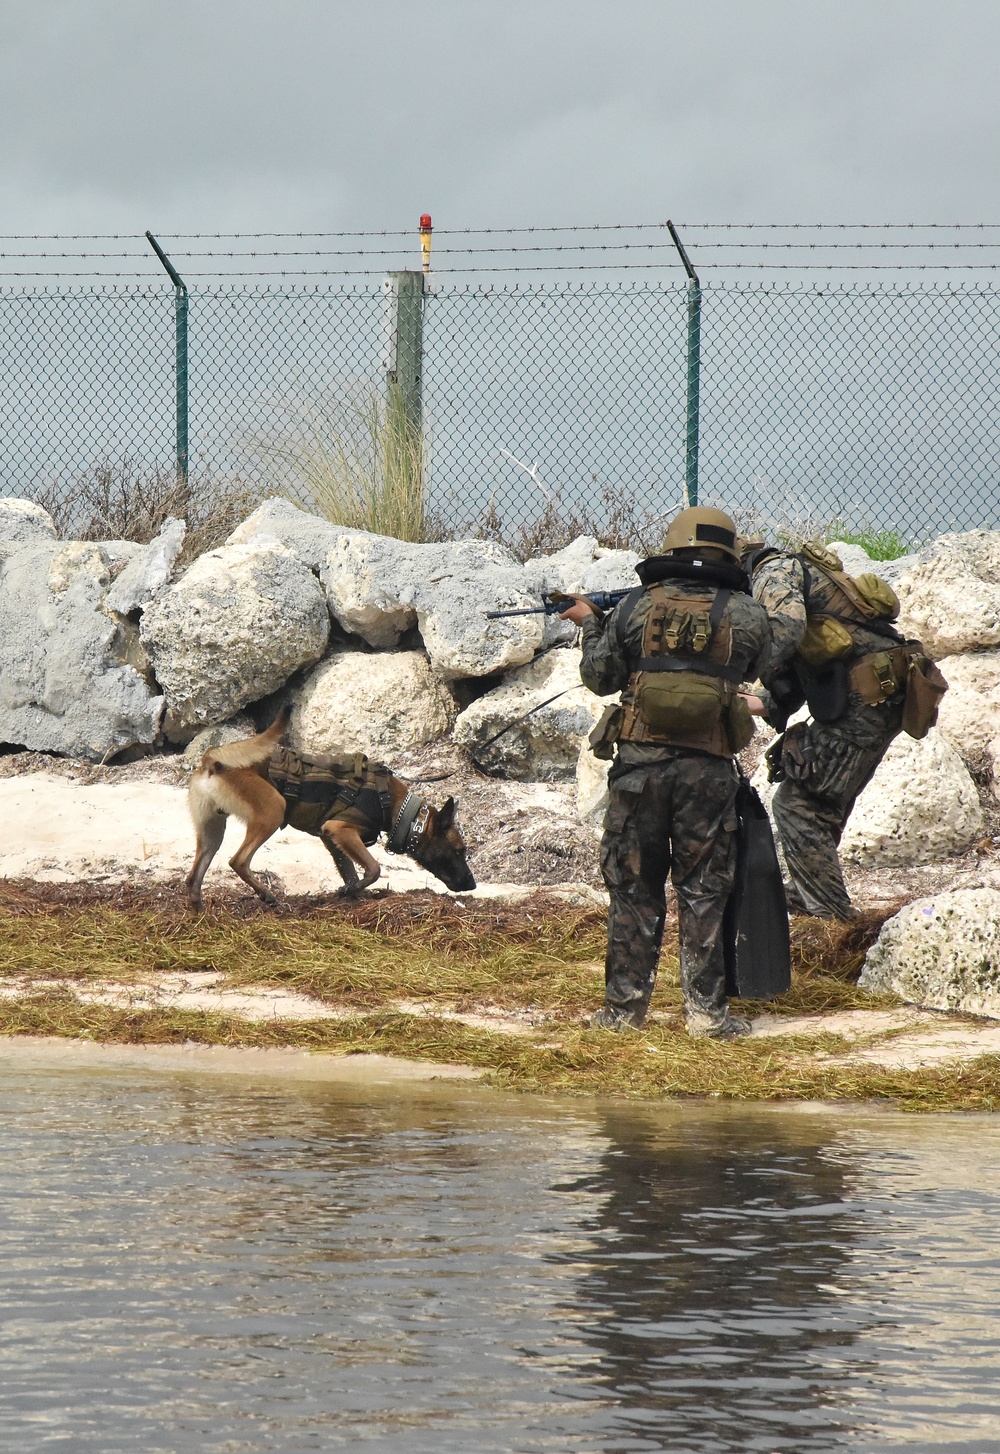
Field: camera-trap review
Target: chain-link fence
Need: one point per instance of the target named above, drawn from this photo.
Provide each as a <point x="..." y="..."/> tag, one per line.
<point x="547" y="408"/>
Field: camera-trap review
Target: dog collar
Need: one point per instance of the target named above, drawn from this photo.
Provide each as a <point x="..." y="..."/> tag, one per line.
<point x="409" y="823"/>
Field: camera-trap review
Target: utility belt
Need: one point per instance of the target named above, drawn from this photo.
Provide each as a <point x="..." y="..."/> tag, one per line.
<point x="878" y="677"/>
<point x="316" y="788"/>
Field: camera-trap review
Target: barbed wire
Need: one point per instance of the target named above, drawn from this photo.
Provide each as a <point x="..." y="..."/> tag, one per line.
<point x="409" y="232"/>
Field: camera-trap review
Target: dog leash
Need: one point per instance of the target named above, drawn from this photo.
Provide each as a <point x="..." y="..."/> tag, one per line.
<point x="518" y="720"/>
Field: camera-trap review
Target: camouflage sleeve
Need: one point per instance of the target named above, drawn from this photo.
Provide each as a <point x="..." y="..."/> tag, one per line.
<point x="779" y="586"/>
<point x="603" y="667"/>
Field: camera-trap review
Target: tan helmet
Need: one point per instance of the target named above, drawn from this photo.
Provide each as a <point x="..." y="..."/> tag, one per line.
<point x="701" y="526"/>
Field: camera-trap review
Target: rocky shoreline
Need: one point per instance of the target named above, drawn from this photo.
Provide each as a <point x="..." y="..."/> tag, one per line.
<point x="117" y="671"/>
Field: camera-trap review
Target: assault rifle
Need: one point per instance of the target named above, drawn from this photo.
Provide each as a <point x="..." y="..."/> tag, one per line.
<point x="557" y="601"/>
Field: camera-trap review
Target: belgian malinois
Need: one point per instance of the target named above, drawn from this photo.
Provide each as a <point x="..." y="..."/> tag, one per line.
<point x="234" y="780"/>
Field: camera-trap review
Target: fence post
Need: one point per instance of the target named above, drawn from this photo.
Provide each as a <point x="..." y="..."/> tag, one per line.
<point x="692" y="432"/>
<point x="180" y="365"/>
<point x="405" y="353"/>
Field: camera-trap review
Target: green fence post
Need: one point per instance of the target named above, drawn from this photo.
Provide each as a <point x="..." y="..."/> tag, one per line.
<point x="180" y="364"/>
<point x="693" y="372"/>
<point x="405" y="355"/>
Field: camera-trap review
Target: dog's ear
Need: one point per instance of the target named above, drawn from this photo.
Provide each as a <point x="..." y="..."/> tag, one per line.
<point x="446" y="814"/>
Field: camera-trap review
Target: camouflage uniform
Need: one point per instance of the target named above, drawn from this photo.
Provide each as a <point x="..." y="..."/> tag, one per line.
<point x="826" y="764"/>
<point x="672" y="810"/>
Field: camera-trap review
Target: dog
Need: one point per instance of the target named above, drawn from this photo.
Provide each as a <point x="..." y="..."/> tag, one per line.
<point x="234" y="780"/>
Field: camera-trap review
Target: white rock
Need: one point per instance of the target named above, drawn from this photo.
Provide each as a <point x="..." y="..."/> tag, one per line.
<point x="942" y="953"/>
<point x="591" y="785"/>
<point x="148" y="571"/>
<point x="308" y="537"/>
<point x="854" y="558"/>
<point x="564" y="569"/>
<point x="22" y="522"/>
<point x="233" y="629"/>
<point x="546" y="745"/>
<point x="237" y="729"/>
<point x="950" y="596"/>
<point x="920" y="806"/>
<point x="119" y="554"/>
<point x="381" y="704"/>
<point x="969" y="715"/>
<point x="379" y="588"/>
<point x="67" y="684"/>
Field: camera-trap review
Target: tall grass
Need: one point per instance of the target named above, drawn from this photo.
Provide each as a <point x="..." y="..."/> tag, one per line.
<point x="356" y="459"/>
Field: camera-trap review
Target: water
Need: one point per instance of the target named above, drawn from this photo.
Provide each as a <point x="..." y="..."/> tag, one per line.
<point x="216" y="1265"/>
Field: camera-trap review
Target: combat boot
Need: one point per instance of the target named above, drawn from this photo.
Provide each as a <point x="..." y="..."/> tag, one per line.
<point x="610" y="1017"/>
<point x="702" y="1026"/>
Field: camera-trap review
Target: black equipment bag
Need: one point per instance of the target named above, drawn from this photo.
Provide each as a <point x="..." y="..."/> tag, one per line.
<point x="755" y="928"/>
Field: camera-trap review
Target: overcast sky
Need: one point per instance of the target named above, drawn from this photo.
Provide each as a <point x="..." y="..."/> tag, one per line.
<point x="285" y="114"/>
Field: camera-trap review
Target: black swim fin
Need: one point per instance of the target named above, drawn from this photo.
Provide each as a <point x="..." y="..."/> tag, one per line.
<point x="755" y="928"/>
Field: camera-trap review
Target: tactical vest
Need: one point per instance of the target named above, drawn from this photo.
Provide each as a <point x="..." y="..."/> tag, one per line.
<point x="838" y="605"/>
<point x="683" y="692"/>
<point x="315" y="788"/>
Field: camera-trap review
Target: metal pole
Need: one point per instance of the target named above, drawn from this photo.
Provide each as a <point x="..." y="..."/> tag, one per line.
<point x="406" y="351"/>
<point x="180" y="361"/>
<point x="693" y="371"/>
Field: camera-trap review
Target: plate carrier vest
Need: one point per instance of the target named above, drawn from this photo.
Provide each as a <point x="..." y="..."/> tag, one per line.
<point x="690" y="635"/>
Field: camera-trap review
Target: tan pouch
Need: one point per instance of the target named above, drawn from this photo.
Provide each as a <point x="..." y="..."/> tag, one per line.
<point x="824" y="640"/>
<point x="878" y="594"/>
<point x="740" y="726"/>
<point x="607" y="732"/>
<point x="925" y="686"/>
<point x="680" y="704"/>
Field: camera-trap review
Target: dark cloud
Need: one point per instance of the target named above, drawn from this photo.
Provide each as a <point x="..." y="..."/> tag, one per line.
<point x="301" y="113"/>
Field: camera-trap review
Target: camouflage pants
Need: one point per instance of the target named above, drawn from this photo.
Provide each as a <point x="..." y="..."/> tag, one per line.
<point x="676" y="816"/>
<point x="826" y="767"/>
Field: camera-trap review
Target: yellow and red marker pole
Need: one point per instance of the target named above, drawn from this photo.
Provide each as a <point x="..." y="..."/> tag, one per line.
<point x="425" y="242"/>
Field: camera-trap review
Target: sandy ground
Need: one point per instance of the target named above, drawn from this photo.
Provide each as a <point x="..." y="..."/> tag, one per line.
<point x="32" y="1052"/>
<point x="65" y="829"/>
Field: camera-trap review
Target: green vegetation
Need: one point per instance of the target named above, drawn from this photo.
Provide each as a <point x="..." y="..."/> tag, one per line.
<point x="357" y="460"/>
<point x="879" y="544"/>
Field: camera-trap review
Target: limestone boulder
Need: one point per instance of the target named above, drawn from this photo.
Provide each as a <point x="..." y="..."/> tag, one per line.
<point x="591" y="785"/>
<point x="381" y="704"/>
<point x="73" y="678"/>
<point x="380" y="588"/>
<point x="583" y="565"/>
<point x="544" y="746"/>
<point x="942" y="953"/>
<point x="22" y="522"/>
<point x="969" y="715"/>
<point x="233" y="629"/>
<point x="857" y="562"/>
<point x="308" y="537"/>
<point x="950" y="595"/>
<point x="237" y="729"/>
<point x="921" y="806"/>
<point x="147" y="571"/>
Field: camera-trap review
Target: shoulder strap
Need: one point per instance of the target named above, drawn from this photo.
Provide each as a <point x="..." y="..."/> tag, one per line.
<point x="718" y="609"/>
<point x="625" y="610"/>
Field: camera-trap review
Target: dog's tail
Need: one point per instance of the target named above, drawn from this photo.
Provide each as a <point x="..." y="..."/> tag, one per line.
<point x="251" y="752"/>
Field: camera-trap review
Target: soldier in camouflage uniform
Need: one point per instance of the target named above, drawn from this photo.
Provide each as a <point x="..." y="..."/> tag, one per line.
<point x="672" y="795"/>
<point x="824" y="764"/>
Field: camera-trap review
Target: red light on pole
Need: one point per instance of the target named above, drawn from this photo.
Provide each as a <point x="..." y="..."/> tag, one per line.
<point x="425" y="241"/>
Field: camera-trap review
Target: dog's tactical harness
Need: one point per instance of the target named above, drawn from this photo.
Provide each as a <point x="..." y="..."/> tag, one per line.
<point x="316" y="789"/>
